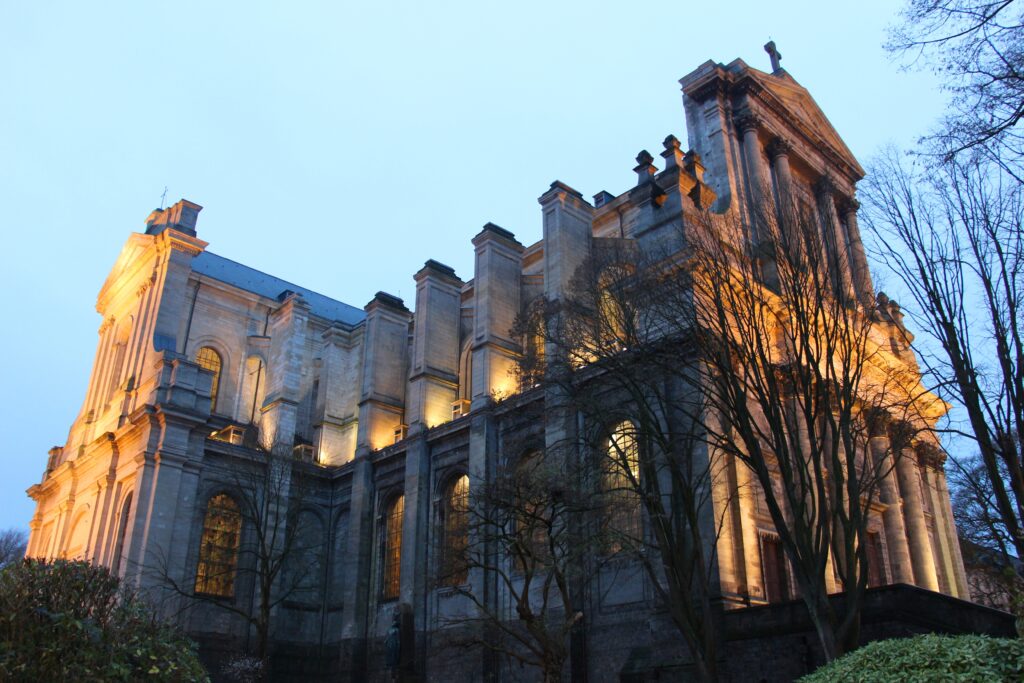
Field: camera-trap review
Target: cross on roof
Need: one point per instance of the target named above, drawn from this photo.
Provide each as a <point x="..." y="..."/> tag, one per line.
<point x="773" y="54"/>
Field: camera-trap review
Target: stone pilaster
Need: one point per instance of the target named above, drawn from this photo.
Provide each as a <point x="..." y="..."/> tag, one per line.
<point x="415" y="573"/>
<point x="336" y="413"/>
<point x="434" y="375"/>
<point x="568" y="220"/>
<point x="357" y="561"/>
<point x="287" y="350"/>
<point x="385" y="364"/>
<point x="496" y="303"/>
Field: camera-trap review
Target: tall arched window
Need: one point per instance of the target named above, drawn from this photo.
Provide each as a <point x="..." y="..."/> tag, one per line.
<point x="391" y="548"/>
<point x="218" y="549"/>
<point x="455" y="532"/>
<point x="208" y="359"/>
<point x="621" y="479"/>
<point x="122" y="531"/>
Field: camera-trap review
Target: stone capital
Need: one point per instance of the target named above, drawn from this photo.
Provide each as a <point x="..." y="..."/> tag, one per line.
<point x="824" y="188"/>
<point x="778" y="147"/>
<point x="930" y="455"/>
<point x="877" y="421"/>
<point x="848" y="205"/>
<point x="746" y="122"/>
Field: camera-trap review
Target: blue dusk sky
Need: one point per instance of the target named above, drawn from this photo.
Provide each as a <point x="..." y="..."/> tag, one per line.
<point x="339" y="145"/>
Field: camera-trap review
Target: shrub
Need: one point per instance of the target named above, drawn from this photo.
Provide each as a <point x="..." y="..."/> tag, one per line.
<point x="66" y="620"/>
<point x="926" y="659"/>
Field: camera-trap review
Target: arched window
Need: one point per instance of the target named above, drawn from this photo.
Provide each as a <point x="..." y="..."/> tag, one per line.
<point x="122" y="531"/>
<point x="621" y="478"/>
<point x="614" y="318"/>
<point x="218" y="549"/>
<point x="305" y="562"/>
<point x="78" y="539"/>
<point x="391" y="548"/>
<point x="455" y="532"/>
<point x="208" y="359"/>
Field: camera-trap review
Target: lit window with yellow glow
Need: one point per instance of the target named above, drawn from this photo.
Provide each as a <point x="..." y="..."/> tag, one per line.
<point x="621" y="479"/>
<point x="455" y="532"/>
<point x="218" y="549"/>
<point x="208" y="359"/>
<point x="391" y="548"/>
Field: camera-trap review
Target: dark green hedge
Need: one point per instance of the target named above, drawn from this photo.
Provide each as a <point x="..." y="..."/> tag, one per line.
<point x="70" y="621"/>
<point x="928" y="659"/>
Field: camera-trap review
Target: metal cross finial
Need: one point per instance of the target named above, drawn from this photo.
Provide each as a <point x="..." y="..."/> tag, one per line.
<point x="163" y="197"/>
<point x="773" y="54"/>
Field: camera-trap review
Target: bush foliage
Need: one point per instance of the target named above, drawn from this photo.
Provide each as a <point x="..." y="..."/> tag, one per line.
<point x="928" y="659"/>
<point x="65" y="620"/>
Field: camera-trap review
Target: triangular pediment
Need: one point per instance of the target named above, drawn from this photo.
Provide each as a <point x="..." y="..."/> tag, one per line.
<point x="127" y="262"/>
<point x="802" y="109"/>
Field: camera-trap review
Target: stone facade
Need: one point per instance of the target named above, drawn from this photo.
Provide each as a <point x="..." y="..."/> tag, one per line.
<point x="384" y="402"/>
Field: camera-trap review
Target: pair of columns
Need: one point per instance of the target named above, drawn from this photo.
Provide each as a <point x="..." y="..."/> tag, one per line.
<point x="842" y="233"/>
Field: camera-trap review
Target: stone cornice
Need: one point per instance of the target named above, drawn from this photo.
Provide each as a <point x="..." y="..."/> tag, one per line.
<point x="172" y="240"/>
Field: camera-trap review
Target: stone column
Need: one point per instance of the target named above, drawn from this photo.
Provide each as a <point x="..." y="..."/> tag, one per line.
<point x="385" y="358"/>
<point x="778" y="151"/>
<point x="746" y="495"/>
<point x="892" y="517"/>
<point x="759" y="190"/>
<point x="834" y="239"/>
<point x="909" y="476"/>
<point x="434" y="375"/>
<point x="858" y="259"/>
<point x="949" y="529"/>
<point x="496" y="293"/>
<point x="729" y="543"/>
<point x="947" y="551"/>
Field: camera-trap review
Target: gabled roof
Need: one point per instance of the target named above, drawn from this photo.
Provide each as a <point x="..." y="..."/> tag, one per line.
<point x="251" y="280"/>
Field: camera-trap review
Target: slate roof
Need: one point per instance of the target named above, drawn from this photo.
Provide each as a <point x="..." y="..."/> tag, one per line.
<point x="251" y="280"/>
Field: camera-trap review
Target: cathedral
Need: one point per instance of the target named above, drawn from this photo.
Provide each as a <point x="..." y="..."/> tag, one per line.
<point x="394" y="411"/>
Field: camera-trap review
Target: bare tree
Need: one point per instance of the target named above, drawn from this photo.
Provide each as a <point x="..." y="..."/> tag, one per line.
<point x="799" y="376"/>
<point x="976" y="47"/>
<point x="953" y="236"/>
<point x="277" y="554"/>
<point x="13" y="543"/>
<point x="993" y="573"/>
<point x="618" y="353"/>
<point x="524" y="535"/>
